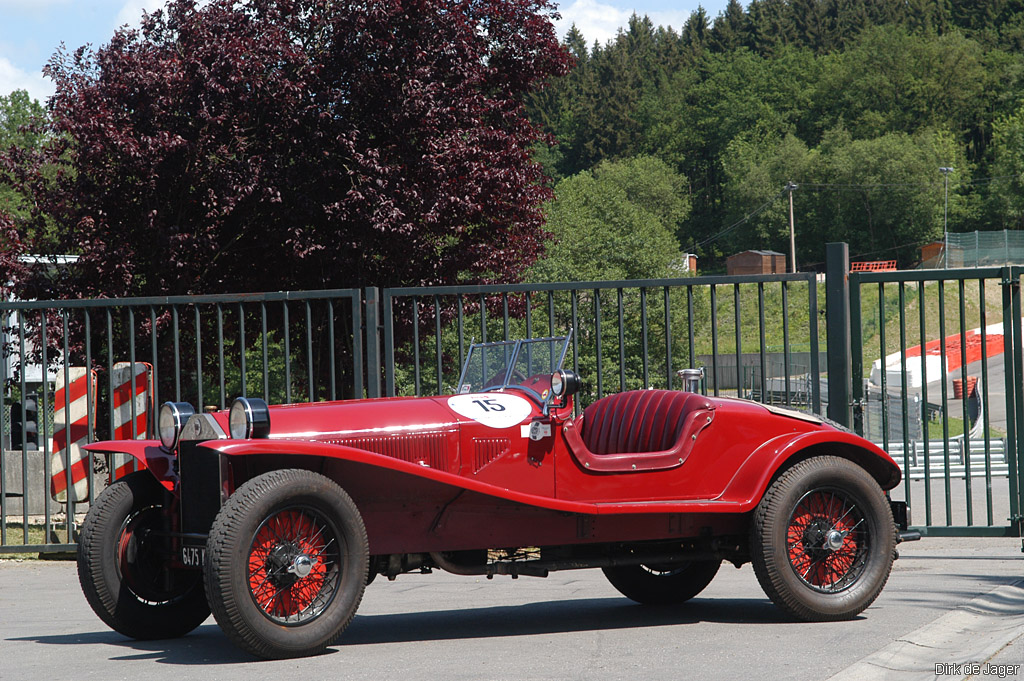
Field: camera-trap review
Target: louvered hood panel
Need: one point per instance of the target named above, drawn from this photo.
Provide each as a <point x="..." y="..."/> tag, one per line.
<point x="417" y="430"/>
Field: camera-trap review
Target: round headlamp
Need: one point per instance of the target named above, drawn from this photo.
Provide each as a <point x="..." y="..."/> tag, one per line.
<point x="171" y="420"/>
<point x="249" y="417"/>
<point x="564" y="383"/>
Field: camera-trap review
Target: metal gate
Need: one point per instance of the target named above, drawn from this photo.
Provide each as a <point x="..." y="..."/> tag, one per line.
<point x="943" y="391"/>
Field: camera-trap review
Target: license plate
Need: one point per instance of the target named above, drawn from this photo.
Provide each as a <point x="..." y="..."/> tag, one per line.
<point x="193" y="556"/>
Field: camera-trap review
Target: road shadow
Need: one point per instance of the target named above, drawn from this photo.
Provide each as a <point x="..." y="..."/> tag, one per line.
<point x="595" y="614"/>
<point x="208" y="645"/>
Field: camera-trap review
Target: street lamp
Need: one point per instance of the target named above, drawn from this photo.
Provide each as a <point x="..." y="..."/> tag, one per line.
<point x="945" y="170"/>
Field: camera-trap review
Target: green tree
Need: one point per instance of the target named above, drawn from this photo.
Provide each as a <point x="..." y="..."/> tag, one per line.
<point x="615" y="222"/>
<point x="21" y="118"/>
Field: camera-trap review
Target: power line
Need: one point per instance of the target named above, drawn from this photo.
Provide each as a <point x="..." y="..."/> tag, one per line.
<point x="757" y="211"/>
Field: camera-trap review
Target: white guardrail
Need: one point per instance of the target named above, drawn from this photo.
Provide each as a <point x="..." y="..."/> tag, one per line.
<point x="959" y="457"/>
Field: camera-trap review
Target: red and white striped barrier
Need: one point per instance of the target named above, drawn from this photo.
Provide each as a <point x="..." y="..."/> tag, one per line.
<point x="70" y="432"/>
<point x="132" y="383"/>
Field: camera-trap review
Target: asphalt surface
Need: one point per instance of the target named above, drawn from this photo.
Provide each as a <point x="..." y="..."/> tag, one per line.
<point x="949" y="601"/>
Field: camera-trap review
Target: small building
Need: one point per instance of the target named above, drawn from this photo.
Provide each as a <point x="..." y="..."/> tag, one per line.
<point x="756" y="262"/>
<point x="931" y="255"/>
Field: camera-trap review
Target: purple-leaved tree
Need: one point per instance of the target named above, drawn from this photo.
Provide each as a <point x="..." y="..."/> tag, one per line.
<point x="290" y="144"/>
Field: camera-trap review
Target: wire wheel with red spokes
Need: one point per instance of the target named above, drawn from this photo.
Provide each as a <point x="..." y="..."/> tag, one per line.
<point x="823" y="540"/>
<point x="294" y="566"/>
<point x="286" y="564"/>
<point x="826" y="540"/>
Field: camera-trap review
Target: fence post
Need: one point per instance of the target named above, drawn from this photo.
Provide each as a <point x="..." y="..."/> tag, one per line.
<point x="837" y="326"/>
<point x="373" y="342"/>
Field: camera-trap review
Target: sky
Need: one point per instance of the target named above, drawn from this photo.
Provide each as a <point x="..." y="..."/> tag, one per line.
<point x="32" y="30"/>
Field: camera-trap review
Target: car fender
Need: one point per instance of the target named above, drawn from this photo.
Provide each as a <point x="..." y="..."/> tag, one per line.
<point x="149" y="454"/>
<point x="759" y="470"/>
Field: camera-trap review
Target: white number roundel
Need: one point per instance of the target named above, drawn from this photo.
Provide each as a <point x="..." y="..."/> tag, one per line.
<point x="494" y="410"/>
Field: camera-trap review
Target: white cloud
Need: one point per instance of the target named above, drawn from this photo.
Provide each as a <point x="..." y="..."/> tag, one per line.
<point x="12" y="78"/>
<point x="596" y="21"/>
<point x="601" y="22"/>
<point x="131" y="12"/>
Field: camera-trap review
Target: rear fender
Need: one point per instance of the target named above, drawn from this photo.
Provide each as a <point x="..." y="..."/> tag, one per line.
<point x="766" y="462"/>
<point x="149" y="454"/>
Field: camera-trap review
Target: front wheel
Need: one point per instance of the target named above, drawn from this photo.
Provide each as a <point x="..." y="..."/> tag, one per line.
<point x="823" y="539"/>
<point x="124" y="563"/>
<point x="286" y="564"/>
<point x="667" y="584"/>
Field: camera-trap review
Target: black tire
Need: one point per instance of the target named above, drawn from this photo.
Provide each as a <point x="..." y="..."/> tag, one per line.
<point x="823" y="539"/>
<point x="286" y="564"/>
<point x="668" y="584"/>
<point x="124" y="564"/>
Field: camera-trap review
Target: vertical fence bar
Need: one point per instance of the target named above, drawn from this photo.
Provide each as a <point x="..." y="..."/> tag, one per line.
<point x="416" y="344"/>
<point x="668" y="339"/>
<point x="924" y="405"/>
<point x="241" y="351"/>
<point x="504" y="316"/>
<point x="42" y="422"/>
<point x="838" y="307"/>
<point x="200" y="400"/>
<point x="962" y="294"/>
<point x="859" y="423"/>
<point x="765" y="397"/>
<point x="984" y="395"/>
<point x="812" y="331"/>
<point x="3" y="424"/>
<point x="597" y="340"/>
<point x="622" y="346"/>
<point x="643" y="338"/>
<point x="739" y="339"/>
<point x="68" y="437"/>
<point x="355" y="303"/>
<point x="110" y="372"/>
<point x="943" y="372"/>
<point x="90" y="406"/>
<point x="388" y="322"/>
<point x="884" y="377"/>
<point x="177" y="353"/>
<point x="266" y="354"/>
<point x="785" y="343"/>
<point x="221" y="386"/>
<point x="437" y="344"/>
<point x="1014" y="387"/>
<point x="131" y="373"/>
<point x="689" y="329"/>
<point x="714" y="336"/>
<point x="154" y="354"/>
<point x="309" y="353"/>
<point x="286" y="327"/>
<point x="24" y="430"/>
<point x="903" y="393"/>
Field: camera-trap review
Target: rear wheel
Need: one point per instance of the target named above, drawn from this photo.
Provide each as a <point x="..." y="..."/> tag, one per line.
<point x="657" y="584"/>
<point x="286" y="564"/>
<point x="823" y="539"/>
<point x="124" y="563"/>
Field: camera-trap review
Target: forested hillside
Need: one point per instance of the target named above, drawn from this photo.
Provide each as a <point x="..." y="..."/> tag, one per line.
<point x="858" y="102"/>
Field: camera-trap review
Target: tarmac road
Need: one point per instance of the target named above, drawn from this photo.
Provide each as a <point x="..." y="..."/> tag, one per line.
<point x="949" y="601"/>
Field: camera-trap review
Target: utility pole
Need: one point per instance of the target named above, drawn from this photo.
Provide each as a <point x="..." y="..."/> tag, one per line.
<point x="792" y="232"/>
<point x="946" y="170"/>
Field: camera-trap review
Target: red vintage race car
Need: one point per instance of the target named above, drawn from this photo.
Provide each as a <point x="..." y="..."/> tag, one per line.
<point x="277" y="518"/>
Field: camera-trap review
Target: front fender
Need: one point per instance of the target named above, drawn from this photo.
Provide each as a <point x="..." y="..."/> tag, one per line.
<point x="751" y="480"/>
<point x="149" y="454"/>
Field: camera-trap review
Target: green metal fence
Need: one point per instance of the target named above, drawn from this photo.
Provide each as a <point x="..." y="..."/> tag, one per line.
<point x="287" y="346"/>
<point x="942" y="391"/>
<point x="627" y="334"/>
<point x="758" y="337"/>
